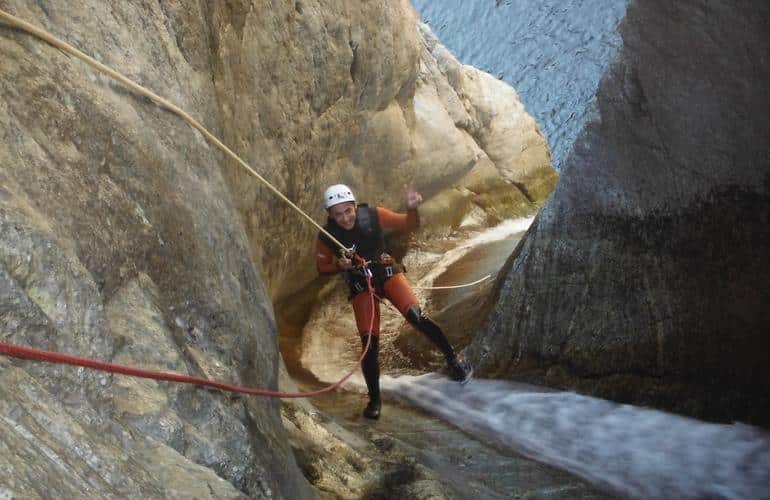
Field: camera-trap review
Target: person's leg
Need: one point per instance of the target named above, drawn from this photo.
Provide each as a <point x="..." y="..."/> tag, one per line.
<point x="370" y="366"/>
<point x="363" y="310"/>
<point x="400" y="294"/>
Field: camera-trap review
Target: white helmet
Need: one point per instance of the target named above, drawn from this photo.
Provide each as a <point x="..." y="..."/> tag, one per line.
<point x="336" y="194"/>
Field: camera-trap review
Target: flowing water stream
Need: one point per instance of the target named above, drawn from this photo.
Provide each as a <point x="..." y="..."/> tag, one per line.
<point x="628" y="450"/>
<point x="474" y="468"/>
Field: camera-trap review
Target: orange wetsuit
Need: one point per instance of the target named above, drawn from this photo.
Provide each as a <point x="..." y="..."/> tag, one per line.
<point x="389" y="281"/>
<point x="395" y="288"/>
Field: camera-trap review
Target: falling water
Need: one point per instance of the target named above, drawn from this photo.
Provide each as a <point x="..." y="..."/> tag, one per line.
<point x="633" y="451"/>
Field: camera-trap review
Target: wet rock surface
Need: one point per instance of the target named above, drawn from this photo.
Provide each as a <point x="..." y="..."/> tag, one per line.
<point x="409" y="454"/>
<point x="644" y="278"/>
<point x="61" y="448"/>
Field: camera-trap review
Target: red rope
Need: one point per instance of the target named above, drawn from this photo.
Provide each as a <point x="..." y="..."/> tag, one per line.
<point x="31" y="353"/>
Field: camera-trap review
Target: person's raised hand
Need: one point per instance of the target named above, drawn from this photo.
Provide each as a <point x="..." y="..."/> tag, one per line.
<point x="413" y="198"/>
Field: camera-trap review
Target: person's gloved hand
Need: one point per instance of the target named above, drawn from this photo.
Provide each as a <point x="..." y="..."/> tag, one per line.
<point x="345" y="263"/>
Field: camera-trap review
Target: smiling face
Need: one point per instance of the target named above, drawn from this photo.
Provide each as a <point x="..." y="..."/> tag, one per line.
<point x="344" y="214"/>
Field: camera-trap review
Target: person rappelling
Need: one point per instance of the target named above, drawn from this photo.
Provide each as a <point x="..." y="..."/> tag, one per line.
<point x="360" y="228"/>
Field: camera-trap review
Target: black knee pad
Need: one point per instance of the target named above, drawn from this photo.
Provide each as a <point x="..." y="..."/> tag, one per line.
<point x="414" y="315"/>
<point x="430" y="329"/>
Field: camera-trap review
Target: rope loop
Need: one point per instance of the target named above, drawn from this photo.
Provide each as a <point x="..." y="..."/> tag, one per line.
<point x="30" y="353"/>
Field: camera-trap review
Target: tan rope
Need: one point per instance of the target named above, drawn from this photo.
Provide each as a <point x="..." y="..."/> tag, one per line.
<point x="49" y="38"/>
<point x="65" y="47"/>
<point x="452" y="287"/>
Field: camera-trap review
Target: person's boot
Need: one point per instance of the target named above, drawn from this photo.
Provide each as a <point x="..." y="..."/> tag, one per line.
<point x="459" y="370"/>
<point x="370" y="366"/>
<point x="372" y="409"/>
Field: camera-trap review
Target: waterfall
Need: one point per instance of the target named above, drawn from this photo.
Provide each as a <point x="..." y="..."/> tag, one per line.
<point x="628" y="450"/>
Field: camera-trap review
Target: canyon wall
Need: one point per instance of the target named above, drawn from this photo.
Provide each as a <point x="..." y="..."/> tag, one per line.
<point x="645" y="278"/>
<point x="126" y="237"/>
<point x="553" y="52"/>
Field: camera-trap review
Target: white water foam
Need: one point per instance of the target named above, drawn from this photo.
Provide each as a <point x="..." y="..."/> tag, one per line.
<point x="628" y="450"/>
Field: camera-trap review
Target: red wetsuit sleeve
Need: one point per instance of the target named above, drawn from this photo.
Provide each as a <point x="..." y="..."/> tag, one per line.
<point x="325" y="261"/>
<point x="396" y="221"/>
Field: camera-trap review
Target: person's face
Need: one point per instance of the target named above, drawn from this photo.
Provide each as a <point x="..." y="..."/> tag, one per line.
<point x="344" y="214"/>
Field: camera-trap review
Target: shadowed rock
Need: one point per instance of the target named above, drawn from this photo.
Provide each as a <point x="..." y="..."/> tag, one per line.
<point x="645" y="278"/>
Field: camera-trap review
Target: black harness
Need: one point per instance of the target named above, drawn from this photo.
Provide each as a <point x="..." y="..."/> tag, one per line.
<point x="368" y="241"/>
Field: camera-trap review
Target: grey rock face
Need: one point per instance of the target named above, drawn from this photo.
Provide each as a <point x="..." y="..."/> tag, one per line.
<point x="645" y="278"/>
<point x="55" y="448"/>
<point x="120" y="241"/>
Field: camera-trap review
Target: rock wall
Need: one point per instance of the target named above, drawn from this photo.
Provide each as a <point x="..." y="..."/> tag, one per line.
<point x="645" y="278"/>
<point x="124" y="236"/>
<point x="473" y="145"/>
<point x="553" y="52"/>
<point x="120" y="240"/>
<point x="342" y="98"/>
